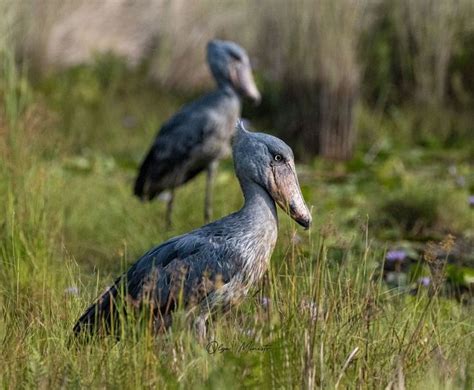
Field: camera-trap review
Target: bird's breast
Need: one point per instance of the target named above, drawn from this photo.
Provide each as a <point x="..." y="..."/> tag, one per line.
<point x="256" y="258"/>
<point x="219" y="135"/>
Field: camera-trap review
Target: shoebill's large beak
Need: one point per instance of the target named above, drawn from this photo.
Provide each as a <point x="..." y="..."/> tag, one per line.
<point x="242" y="79"/>
<point x="286" y="192"/>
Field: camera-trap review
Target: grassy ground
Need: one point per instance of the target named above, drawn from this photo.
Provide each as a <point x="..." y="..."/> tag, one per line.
<point x="324" y="316"/>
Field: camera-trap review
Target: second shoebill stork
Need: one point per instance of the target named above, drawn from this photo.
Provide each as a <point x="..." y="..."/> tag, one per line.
<point x="199" y="135"/>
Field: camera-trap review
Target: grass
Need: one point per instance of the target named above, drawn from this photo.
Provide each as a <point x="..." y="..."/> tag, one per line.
<point x="323" y="316"/>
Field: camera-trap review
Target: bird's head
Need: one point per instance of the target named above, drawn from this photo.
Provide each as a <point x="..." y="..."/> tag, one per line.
<point x="230" y="64"/>
<point x="269" y="162"/>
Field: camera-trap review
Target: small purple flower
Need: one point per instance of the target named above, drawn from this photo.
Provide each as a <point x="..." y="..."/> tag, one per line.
<point x="396" y="255"/>
<point x="471" y="200"/>
<point x="424" y="281"/>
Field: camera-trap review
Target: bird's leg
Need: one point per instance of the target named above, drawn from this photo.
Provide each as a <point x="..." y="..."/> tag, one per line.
<point x="211" y="173"/>
<point x="169" y="209"/>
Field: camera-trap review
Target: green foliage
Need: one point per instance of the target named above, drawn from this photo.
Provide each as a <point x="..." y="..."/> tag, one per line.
<point x="323" y="316"/>
<point x="418" y="208"/>
<point x="95" y="103"/>
<point x="462" y="80"/>
<point x="412" y="212"/>
<point x="408" y="126"/>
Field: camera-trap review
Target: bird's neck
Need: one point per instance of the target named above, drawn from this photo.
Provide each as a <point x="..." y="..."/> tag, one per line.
<point x="259" y="229"/>
<point x="259" y="205"/>
<point x="228" y="90"/>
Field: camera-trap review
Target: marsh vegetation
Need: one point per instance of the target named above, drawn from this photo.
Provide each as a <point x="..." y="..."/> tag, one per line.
<point x="379" y="293"/>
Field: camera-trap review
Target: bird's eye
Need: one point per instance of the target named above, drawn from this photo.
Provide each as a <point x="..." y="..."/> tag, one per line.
<point x="278" y="157"/>
<point x="235" y="56"/>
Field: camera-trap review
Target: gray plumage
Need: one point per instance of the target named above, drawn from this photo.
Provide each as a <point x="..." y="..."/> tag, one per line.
<point x="214" y="266"/>
<point x="199" y="135"/>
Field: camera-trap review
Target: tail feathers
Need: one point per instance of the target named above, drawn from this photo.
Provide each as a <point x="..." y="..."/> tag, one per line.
<point x="140" y="189"/>
<point x="102" y="315"/>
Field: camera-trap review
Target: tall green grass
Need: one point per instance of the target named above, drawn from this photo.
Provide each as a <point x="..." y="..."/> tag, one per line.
<point x="318" y="320"/>
<point x="68" y="226"/>
<point x="315" y="321"/>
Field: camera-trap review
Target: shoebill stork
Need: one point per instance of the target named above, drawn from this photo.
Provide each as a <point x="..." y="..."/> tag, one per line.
<point x="211" y="268"/>
<point x="199" y="135"/>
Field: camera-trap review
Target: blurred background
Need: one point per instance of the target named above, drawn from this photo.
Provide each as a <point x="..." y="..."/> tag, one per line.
<point x="376" y="97"/>
<point x="325" y="67"/>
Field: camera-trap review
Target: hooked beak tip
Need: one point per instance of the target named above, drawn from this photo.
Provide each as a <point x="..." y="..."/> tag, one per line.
<point x="305" y="222"/>
<point x="301" y="216"/>
<point x="256" y="98"/>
